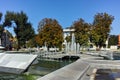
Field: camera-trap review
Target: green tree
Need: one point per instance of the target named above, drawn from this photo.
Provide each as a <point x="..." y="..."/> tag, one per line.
<point x="1" y="30"/>
<point x="101" y="28"/>
<point x="32" y="43"/>
<point x="81" y="31"/>
<point x="0" y="16"/>
<point x="50" y="32"/>
<point x="68" y="38"/>
<point x="4" y="42"/>
<point x="1" y="26"/>
<point x="113" y="40"/>
<point x="22" y="28"/>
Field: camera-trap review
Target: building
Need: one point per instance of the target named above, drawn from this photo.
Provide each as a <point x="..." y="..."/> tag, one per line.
<point x="73" y="44"/>
<point x="5" y="40"/>
<point x="66" y="32"/>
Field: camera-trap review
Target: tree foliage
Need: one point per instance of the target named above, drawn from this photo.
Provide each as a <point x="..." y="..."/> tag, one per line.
<point x="113" y="40"/>
<point x="1" y="30"/>
<point x="5" y="36"/>
<point x="22" y="28"/>
<point x="81" y="31"/>
<point x="0" y="16"/>
<point x="101" y="28"/>
<point x="1" y="26"/>
<point x="68" y="38"/>
<point x="31" y="43"/>
<point x="50" y="32"/>
<point x="42" y="23"/>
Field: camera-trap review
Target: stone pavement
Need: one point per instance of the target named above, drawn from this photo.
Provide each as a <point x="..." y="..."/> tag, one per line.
<point x="82" y="69"/>
<point x="70" y="72"/>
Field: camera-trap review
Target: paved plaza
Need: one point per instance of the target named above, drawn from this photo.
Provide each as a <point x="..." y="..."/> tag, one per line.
<point x="83" y="69"/>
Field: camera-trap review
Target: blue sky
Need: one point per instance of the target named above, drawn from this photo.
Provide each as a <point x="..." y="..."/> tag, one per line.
<point x="64" y="11"/>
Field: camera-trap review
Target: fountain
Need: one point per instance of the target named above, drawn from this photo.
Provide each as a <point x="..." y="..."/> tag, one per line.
<point x="15" y="63"/>
<point x="111" y="56"/>
<point x="41" y="68"/>
<point x="1" y="47"/>
<point x="72" y="47"/>
<point x="78" y="48"/>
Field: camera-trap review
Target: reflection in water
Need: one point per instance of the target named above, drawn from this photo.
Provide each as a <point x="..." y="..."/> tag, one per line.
<point x="116" y="56"/>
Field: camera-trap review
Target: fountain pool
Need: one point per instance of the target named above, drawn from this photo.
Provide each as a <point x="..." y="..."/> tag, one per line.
<point x="39" y="68"/>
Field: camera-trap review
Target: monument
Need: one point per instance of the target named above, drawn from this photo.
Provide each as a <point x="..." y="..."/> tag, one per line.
<point x="70" y="47"/>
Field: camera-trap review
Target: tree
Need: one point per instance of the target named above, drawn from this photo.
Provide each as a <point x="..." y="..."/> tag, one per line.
<point x="5" y="36"/>
<point x="31" y="43"/>
<point x="0" y="16"/>
<point x="22" y="28"/>
<point x="81" y="32"/>
<point x="1" y="30"/>
<point x="50" y="32"/>
<point x="68" y="38"/>
<point x="113" y="40"/>
<point x="101" y="28"/>
<point x="42" y="23"/>
<point x="1" y="26"/>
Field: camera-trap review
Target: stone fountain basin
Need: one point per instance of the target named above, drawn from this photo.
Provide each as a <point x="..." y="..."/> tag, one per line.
<point x="15" y="63"/>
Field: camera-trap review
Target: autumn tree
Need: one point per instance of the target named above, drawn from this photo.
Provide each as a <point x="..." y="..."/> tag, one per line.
<point x="50" y="32"/>
<point x="42" y="23"/>
<point x="81" y="31"/>
<point x="22" y="28"/>
<point x="101" y="28"/>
